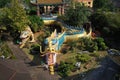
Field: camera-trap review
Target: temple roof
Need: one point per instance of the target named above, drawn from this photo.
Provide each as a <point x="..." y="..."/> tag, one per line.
<point x="50" y="1"/>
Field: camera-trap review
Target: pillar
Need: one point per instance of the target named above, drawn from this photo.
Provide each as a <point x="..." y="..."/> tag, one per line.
<point x="48" y="9"/>
<point x="45" y="9"/>
<point x="38" y="10"/>
<point x="59" y="10"/>
<point x="62" y="9"/>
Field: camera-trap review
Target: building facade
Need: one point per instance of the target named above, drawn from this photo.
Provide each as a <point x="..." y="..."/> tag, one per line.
<point x="47" y="7"/>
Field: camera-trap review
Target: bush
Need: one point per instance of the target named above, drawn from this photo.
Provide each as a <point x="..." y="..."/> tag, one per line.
<point x="100" y="43"/>
<point x="4" y="49"/>
<point x="83" y="57"/>
<point x="64" y="69"/>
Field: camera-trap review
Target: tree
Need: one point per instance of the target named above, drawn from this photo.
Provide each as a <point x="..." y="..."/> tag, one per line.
<point x="36" y="23"/>
<point x="108" y="23"/>
<point x="104" y="5"/>
<point x="77" y="14"/>
<point x="16" y="17"/>
<point x="3" y="3"/>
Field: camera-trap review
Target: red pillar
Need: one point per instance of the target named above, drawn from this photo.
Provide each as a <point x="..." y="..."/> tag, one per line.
<point x="38" y="10"/>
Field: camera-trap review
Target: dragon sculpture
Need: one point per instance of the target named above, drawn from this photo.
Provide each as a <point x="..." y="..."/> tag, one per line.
<point x="25" y="36"/>
<point x="54" y="42"/>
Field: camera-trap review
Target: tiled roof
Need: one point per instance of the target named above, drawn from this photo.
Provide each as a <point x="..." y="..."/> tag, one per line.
<point x="50" y="1"/>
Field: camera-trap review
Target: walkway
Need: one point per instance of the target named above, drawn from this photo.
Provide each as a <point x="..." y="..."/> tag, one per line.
<point x="36" y="72"/>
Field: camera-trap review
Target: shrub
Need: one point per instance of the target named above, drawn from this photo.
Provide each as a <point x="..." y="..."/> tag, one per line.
<point x="83" y="57"/>
<point x="100" y="43"/>
<point x="64" y="69"/>
<point x="4" y="49"/>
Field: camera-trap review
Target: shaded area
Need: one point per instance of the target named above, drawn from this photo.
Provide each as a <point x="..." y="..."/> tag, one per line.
<point x="13" y="70"/>
<point x="36" y="72"/>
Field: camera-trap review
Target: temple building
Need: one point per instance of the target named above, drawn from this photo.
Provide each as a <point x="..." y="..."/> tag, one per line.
<point x="48" y="7"/>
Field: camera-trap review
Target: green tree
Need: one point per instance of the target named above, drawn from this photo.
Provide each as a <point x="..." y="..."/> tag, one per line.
<point x="3" y="3"/>
<point x="15" y="15"/>
<point x="104" y="5"/>
<point x="36" y="23"/>
<point x="77" y="14"/>
<point x="108" y="23"/>
<point x="18" y="16"/>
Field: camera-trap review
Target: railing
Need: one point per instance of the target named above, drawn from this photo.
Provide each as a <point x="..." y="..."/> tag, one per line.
<point x="48" y="17"/>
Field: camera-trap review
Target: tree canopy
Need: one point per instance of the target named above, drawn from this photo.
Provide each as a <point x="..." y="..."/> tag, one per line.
<point x="105" y="5"/>
<point x="77" y="14"/>
<point x="108" y="22"/>
<point x="14" y="16"/>
<point x="3" y="3"/>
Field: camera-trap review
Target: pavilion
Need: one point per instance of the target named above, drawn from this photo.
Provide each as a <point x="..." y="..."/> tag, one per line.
<point x="48" y="7"/>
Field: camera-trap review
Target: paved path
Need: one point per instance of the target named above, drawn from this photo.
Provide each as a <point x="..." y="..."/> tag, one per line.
<point x="36" y="72"/>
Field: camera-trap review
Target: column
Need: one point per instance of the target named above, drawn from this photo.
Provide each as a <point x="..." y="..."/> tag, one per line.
<point x="59" y="10"/>
<point x="38" y="10"/>
<point x="48" y="9"/>
<point x="63" y="10"/>
<point x="45" y="9"/>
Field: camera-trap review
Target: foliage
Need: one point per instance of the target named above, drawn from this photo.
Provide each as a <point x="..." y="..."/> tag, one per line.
<point x="36" y="23"/>
<point x="87" y="44"/>
<point x="77" y="15"/>
<point x="71" y="60"/>
<point x="72" y="44"/>
<point x="3" y="3"/>
<point x="83" y="57"/>
<point x="105" y="5"/>
<point x="35" y="48"/>
<point x="107" y="23"/>
<point x="15" y="17"/>
<point x="4" y="50"/>
<point x="64" y="69"/>
<point x="100" y="43"/>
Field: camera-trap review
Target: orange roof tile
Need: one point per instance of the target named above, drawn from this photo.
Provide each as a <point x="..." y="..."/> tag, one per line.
<point x="49" y="1"/>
